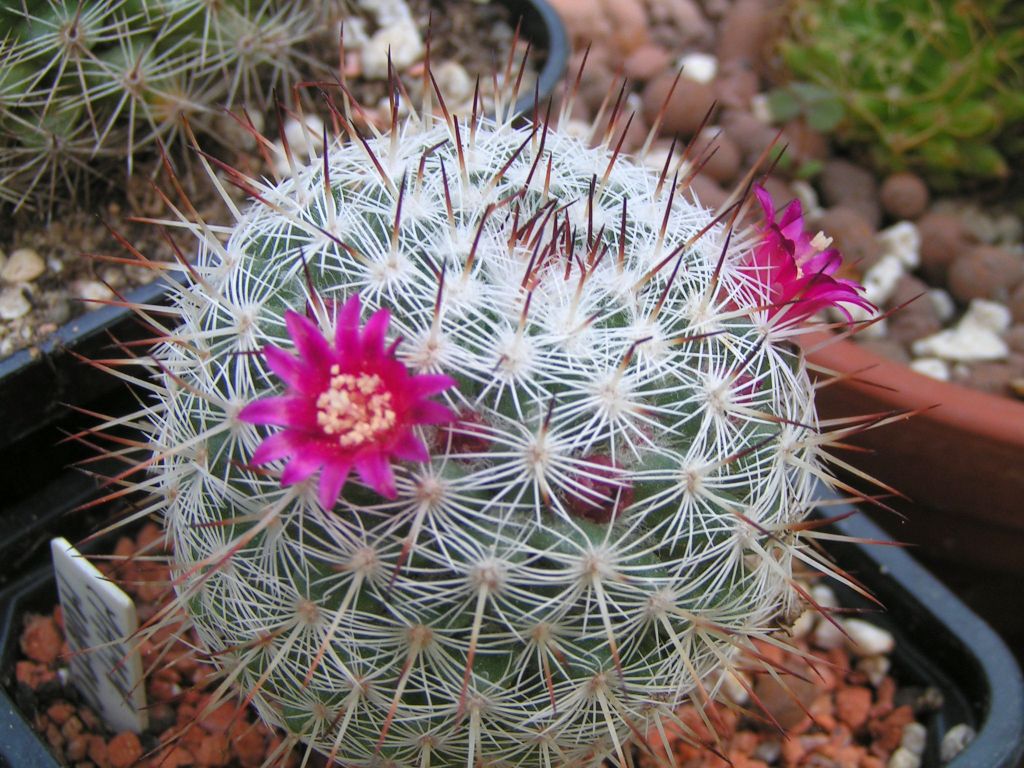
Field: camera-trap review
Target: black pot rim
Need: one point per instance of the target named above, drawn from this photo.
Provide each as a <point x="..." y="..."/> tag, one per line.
<point x="908" y="589"/>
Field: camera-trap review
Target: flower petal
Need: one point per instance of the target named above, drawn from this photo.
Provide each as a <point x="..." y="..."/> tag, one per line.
<point x="313" y="348"/>
<point x="286" y="367"/>
<point x="373" y="333"/>
<point x="332" y="480"/>
<point x="302" y="465"/>
<point x="277" y="446"/>
<point x="375" y="471"/>
<point x="430" y="384"/>
<point x="346" y="329"/>
<point x="269" y="410"/>
<point x="408" y="447"/>
<point x="429" y="412"/>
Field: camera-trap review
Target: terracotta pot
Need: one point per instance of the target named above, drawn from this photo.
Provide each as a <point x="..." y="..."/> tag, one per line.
<point x="961" y="457"/>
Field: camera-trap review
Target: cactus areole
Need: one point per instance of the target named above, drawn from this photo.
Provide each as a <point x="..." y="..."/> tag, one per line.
<point x="481" y="445"/>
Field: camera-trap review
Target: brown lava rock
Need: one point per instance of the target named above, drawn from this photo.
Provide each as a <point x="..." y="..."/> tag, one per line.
<point x="1015" y="337"/>
<point x="686" y="108"/>
<point x="904" y="195"/>
<point x="845" y="184"/>
<point x="721" y="154"/>
<point x="747" y="32"/>
<point x="991" y="377"/>
<point x="749" y="133"/>
<point x="705" y="191"/>
<point x="918" y="317"/>
<point x="646" y="62"/>
<point x="1016" y="303"/>
<point x="888" y="348"/>
<point x="944" y="237"/>
<point x="985" y="272"/>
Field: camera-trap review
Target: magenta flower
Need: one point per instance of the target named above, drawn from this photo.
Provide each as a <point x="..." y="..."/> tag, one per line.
<point x="350" y="405"/>
<point x="796" y="270"/>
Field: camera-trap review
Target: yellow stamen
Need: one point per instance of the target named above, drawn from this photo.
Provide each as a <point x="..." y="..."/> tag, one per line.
<point x="354" y="408"/>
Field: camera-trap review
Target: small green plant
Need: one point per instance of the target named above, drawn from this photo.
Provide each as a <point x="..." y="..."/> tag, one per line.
<point x="935" y="86"/>
<point x="85" y="85"/>
<point x="478" y="444"/>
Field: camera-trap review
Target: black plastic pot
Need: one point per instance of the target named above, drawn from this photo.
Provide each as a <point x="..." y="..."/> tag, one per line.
<point x="37" y="384"/>
<point x="940" y="642"/>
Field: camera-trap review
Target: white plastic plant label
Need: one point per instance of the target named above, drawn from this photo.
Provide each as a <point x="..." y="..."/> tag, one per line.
<point x="98" y="617"/>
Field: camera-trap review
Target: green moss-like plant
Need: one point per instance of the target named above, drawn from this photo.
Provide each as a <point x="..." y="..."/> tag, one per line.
<point x="935" y="86"/>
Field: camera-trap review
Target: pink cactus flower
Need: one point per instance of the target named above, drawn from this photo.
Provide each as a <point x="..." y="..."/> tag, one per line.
<point x="797" y="270"/>
<point x="349" y="405"/>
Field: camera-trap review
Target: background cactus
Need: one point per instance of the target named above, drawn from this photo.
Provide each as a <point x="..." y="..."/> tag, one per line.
<point x="935" y="86"/>
<point x="85" y="86"/>
<point x="620" y="464"/>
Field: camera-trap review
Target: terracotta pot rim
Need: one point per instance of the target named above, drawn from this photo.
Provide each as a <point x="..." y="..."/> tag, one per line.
<point x="900" y="387"/>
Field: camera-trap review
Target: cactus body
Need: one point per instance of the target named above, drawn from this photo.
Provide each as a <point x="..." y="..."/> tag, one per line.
<point x="86" y="86"/>
<point x="606" y="526"/>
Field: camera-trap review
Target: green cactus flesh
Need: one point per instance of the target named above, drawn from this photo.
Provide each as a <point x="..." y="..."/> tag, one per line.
<point x="595" y="322"/>
<point x="121" y="75"/>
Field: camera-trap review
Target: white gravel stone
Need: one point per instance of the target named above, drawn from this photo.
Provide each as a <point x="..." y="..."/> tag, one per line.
<point x="932" y="367"/>
<point x="955" y="741"/>
<point x="963" y="344"/>
<point x="944" y="305"/>
<point x="302" y="139"/>
<point x="759" y="109"/>
<point x="768" y="751"/>
<point x="1009" y="228"/>
<point x="698" y="66"/>
<point x="874" y="667"/>
<point x="903" y="758"/>
<point x="879" y="329"/>
<point x="386" y="12"/>
<point x="453" y="81"/>
<point x="734" y="688"/>
<point x="804" y="624"/>
<point x="301" y="142"/>
<point x="23" y="266"/>
<point x="13" y="304"/>
<point x="880" y="281"/>
<point x="827" y="636"/>
<point x="824" y="596"/>
<point x="91" y="292"/>
<point x="402" y="39"/>
<point x="866" y="639"/>
<point x="915" y="738"/>
<point x="113" y="277"/>
<point x="903" y="241"/>
<point x="580" y="129"/>
<point x="990" y="315"/>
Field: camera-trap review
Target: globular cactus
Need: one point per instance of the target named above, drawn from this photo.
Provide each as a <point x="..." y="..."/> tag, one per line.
<point x="478" y="445"/>
<point x="85" y="86"/>
<point x="930" y="85"/>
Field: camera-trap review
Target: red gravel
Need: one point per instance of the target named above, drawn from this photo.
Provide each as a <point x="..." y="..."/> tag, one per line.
<point x="224" y="737"/>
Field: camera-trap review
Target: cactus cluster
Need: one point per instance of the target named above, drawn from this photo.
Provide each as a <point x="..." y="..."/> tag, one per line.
<point x="86" y="85"/>
<point x="935" y="86"/>
<point x="479" y="444"/>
